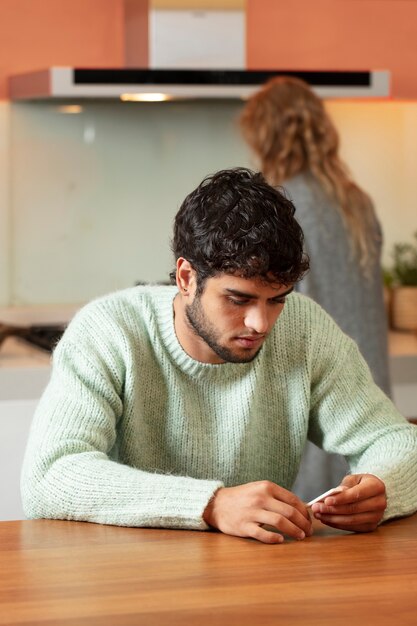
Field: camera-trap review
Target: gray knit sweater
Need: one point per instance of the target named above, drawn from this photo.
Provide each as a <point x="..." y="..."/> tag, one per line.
<point x="132" y="431"/>
<point x="336" y="280"/>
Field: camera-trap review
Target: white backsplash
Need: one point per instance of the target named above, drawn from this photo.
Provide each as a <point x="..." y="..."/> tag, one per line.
<point x="95" y="194"/>
<point x="91" y="197"/>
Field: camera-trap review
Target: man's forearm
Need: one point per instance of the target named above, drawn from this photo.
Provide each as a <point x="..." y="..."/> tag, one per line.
<point x="90" y="487"/>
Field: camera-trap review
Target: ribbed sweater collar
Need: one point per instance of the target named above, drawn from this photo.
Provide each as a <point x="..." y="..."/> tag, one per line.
<point x="164" y="312"/>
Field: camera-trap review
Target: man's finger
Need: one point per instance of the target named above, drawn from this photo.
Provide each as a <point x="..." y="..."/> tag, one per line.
<point x="365" y="528"/>
<point x="360" y="522"/>
<point x="283" y="495"/>
<point x="363" y="490"/>
<point x="288" y="512"/>
<point x="376" y="503"/>
<point x="261" y="534"/>
<point x="283" y="524"/>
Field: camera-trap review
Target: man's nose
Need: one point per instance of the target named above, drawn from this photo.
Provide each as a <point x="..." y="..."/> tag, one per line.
<point x="256" y="319"/>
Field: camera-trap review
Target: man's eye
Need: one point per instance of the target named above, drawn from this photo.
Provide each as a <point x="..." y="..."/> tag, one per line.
<point x="280" y="301"/>
<point x="238" y="302"/>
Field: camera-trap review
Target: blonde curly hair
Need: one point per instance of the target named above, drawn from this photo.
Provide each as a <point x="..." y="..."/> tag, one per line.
<point x="289" y="130"/>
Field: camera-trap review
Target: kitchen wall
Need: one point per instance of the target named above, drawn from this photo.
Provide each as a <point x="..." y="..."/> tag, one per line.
<point x="87" y="200"/>
<point x="341" y="35"/>
<point x="35" y="34"/>
<point x="5" y="239"/>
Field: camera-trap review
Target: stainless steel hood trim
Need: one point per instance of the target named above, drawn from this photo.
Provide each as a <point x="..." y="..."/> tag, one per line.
<point x="67" y="82"/>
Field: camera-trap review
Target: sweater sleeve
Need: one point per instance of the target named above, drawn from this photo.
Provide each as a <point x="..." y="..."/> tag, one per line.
<point x="351" y="416"/>
<point x="68" y="471"/>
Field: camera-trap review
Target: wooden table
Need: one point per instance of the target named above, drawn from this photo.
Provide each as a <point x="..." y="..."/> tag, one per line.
<point x="67" y="573"/>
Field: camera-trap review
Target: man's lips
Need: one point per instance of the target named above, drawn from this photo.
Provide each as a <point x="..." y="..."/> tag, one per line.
<point x="249" y="341"/>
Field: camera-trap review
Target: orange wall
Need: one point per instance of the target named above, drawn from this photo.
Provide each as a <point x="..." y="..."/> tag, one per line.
<point x="35" y="34"/>
<point x="136" y="31"/>
<point x="336" y="34"/>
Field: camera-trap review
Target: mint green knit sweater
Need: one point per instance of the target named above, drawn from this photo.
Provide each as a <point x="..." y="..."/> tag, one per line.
<point x="132" y="431"/>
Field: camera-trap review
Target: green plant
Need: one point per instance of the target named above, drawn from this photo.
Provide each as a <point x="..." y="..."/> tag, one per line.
<point x="404" y="269"/>
<point x="387" y="277"/>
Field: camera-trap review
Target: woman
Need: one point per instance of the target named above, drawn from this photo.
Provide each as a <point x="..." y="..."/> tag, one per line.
<point x="289" y="130"/>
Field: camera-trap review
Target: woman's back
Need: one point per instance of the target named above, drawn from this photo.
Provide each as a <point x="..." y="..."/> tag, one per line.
<point x="336" y="280"/>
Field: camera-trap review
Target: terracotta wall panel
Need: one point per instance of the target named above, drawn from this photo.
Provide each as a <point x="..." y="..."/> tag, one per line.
<point x="342" y="34"/>
<point x="214" y="5"/>
<point x="35" y="34"/>
<point x="136" y="31"/>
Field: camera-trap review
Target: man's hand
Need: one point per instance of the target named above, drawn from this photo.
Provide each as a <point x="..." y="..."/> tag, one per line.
<point x="244" y="510"/>
<point x="358" y="508"/>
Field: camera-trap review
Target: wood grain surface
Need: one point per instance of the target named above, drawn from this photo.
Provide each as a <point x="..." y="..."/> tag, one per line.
<point x="74" y="573"/>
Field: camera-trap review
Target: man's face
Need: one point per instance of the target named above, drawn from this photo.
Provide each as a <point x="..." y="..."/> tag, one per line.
<point x="233" y="316"/>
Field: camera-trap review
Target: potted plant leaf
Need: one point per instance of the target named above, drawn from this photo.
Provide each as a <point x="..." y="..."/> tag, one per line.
<point x="404" y="287"/>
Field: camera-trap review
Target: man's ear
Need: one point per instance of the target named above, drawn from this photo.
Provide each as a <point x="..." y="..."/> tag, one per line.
<point x="186" y="277"/>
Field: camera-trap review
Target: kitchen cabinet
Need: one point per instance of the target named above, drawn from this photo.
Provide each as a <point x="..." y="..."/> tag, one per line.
<point x="15" y="419"/>
<point x="24" y="372"/>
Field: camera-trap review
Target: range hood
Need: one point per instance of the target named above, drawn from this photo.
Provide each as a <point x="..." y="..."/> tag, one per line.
<point x="169" y="84"/>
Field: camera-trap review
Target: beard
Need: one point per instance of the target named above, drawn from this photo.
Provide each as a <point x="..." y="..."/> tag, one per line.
<point x="203" y="328"/>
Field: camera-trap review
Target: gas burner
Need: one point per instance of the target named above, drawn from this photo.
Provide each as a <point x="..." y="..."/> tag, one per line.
<point x="42" y="336"/>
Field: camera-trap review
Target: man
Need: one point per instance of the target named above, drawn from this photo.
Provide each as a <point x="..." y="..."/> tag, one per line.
<point x="189" y="406"/>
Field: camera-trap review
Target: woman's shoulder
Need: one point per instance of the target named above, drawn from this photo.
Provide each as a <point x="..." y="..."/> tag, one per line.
<point x="305" y="189"/>
<point x="313" y="205"/>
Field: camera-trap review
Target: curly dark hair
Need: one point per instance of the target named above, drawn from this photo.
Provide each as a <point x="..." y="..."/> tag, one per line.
<point x="234" y="222"/>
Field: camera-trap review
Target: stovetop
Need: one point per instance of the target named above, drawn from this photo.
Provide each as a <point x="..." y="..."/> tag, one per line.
<point x="44" y="336"/>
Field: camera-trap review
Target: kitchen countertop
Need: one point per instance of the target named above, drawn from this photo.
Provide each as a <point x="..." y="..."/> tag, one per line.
<point x="25" y="369"/>
<point x="15" y="352"/>
<point x="402" y="343"/>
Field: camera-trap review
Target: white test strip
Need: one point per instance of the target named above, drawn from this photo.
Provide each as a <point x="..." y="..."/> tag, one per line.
<point x="324" y="495"/>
